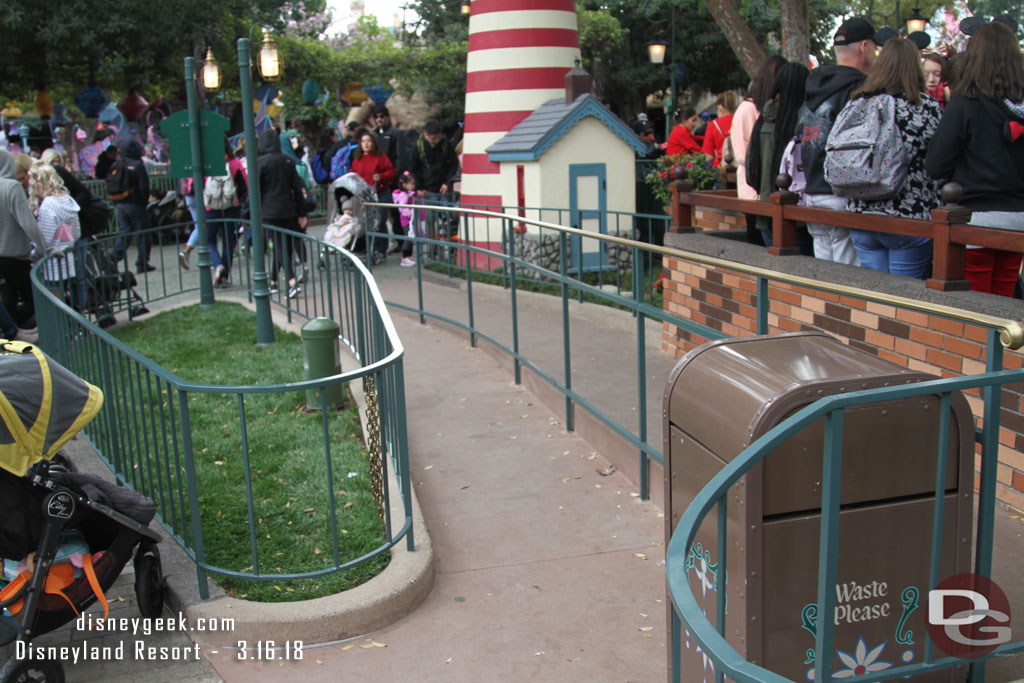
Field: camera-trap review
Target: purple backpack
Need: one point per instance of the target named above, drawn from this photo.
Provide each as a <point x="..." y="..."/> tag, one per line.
<point x="793" y="165"/>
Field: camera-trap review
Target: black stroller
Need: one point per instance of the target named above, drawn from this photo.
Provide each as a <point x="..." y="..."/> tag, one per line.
<point x="107" y="289"/>
<point x="170" y="213"/>
<point x="75" y="531"/>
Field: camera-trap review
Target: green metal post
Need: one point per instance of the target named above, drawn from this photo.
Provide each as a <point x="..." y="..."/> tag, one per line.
<point x="987" y="486"/>
<point x="205" y="277"/>
<point x="566" y="349"/>
<point x="641" y="372"/>
<point x="763" y="305"/>
<point x="321" y="351"/>
<point x="828" y="545"/>
<point x="516" y="362"/>
<point x="672" y="72"/>
<point x="264" y="323"/>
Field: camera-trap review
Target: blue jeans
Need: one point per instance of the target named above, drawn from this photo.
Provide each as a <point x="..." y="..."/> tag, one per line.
<point x="226" y="230"/>
<point x="133" y="218"/>
<point x="896" y="254"/>
<point x="193" y="237"/>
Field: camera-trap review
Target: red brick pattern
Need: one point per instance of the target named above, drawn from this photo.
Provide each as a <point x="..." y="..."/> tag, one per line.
<point x="726" y="300"/>
<point x="719" y="220"/>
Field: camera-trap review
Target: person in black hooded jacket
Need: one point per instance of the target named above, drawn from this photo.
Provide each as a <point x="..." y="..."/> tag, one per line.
<point x="828" y="90"/>
<point x="282" y="202"/>
<point x="132" y="215"/>
<point x="980" y="145"/>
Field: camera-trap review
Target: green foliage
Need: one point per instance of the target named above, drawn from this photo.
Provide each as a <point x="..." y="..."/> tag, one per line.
<point x="883" y="12"/>
<point x="75" y="42"/>
<point x="997" y="8"/>
<point x="291" y="499"/>
<point x="442" y="36"/>
<point x="699" y="172"/>
<point x="440" y="21"/>
<point x="614" y="36"/>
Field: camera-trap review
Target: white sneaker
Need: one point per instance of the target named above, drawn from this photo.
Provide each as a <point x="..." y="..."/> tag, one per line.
<point x="183" y="259"/>
<point x="408" y="262"/>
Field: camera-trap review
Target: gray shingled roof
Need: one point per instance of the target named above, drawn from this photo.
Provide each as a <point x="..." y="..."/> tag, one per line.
<point x="532" y="136"/>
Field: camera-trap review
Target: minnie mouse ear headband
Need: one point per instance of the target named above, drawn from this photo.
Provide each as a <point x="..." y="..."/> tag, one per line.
<point x="971" y="24"/>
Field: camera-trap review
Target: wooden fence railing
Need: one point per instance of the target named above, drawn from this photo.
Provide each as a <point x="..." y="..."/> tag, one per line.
<point x="947" y="227"/>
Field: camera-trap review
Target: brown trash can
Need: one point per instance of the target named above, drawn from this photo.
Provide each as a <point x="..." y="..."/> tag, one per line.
<point x="724" y="395"/>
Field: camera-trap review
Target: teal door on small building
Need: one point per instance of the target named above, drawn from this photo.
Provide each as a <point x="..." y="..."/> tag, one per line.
<point x="588" y="211"/>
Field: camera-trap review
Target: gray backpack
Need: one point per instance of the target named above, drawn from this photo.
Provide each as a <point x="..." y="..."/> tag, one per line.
<point x="864" y="155"/>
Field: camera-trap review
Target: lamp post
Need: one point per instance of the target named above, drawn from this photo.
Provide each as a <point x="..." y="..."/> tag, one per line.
<point x="656" y="51"/>
<point x="269" y="65"/>
<point x="203" y="250"/>
<point x="914" y="23"/>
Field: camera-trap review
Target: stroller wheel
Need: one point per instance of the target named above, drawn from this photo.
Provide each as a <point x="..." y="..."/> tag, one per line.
<point x="31" y="671"/>
<point x="149" y="581"/>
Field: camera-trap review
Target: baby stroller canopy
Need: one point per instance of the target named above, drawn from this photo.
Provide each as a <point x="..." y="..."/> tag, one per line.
<point x="43" y="405"/>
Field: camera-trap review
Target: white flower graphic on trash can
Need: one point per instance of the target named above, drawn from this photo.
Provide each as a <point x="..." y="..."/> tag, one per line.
<point x="863" y="662"/>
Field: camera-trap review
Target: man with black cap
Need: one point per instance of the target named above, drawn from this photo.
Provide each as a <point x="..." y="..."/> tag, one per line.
<point x="828" y="90"/>
<point x="645" y="131"/>
<point x="350" y="131"/>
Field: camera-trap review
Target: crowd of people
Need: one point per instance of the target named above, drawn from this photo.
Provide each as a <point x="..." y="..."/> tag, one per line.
<point x="45" y="208"/>
<point x="959" y="117"/>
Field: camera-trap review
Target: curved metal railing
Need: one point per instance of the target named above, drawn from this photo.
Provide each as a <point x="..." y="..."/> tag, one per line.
<point x="494" y="241"/>
<point x="143" y="431"/>
<point x="711" y="639"/>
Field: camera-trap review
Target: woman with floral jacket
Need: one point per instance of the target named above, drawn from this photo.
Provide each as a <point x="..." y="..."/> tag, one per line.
<point x="897" y="74"/>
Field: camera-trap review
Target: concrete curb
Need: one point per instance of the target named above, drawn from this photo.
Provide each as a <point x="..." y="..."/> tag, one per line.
<point x="388" y="597"/>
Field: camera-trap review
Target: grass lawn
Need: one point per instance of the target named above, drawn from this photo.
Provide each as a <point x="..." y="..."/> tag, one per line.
<point x="216" y="345"/>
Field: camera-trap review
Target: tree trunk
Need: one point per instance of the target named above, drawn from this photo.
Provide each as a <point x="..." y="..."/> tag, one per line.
<point x="796" y="31"/>
<point x="730" y="20"/>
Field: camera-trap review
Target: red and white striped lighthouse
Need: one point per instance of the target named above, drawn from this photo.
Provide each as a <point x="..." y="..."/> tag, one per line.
<point x="519" y="53"/>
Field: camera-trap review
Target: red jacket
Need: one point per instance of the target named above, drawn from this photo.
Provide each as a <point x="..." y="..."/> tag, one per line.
<point x="714" y="138"/>
<point x="682" y="141"/>
<point x="367" y="165"/>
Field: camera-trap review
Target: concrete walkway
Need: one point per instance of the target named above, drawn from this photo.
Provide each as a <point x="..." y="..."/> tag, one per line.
<point x="547" y="568"/>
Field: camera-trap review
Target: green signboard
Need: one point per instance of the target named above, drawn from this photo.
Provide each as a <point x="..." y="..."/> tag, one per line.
<point x="212" y="128"/>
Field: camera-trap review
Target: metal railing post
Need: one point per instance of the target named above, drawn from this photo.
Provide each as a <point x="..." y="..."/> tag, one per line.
<point x="516" y="363"/>
<point x="566" y="350"/>
<point x="260" y="291"/>
<point x="194" y="125"/>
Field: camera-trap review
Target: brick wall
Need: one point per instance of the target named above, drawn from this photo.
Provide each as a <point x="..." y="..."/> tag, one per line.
<point x="726" y="300"/>
<point x="708" y="219"/>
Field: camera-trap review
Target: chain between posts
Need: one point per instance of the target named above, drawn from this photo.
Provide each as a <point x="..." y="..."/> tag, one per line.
<point x="373" y="429"/>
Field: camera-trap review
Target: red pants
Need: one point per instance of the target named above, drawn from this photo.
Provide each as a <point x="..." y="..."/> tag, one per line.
<point x="993" y="270"/>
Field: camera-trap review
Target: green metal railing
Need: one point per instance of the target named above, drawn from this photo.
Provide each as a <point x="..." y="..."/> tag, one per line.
<point x="470" y="243"/>
<point x="714" y="496"/>
<point x="160" y="185"/>
<point x="477" y="243"/>
<point x="143" y="431"/>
